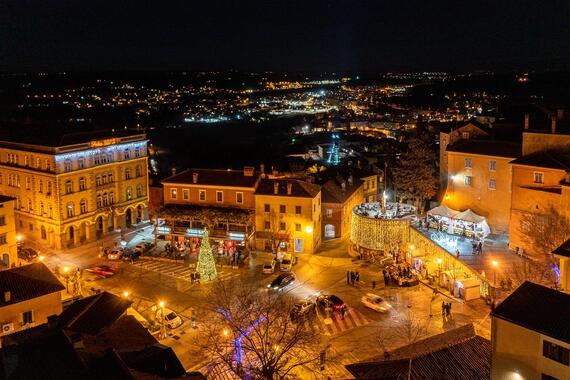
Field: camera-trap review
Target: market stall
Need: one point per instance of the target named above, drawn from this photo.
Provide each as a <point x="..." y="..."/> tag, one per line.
<point x="469" y="224"/>
<point x="441" y="218"/>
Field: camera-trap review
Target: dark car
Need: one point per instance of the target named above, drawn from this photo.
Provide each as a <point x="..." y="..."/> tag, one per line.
<point x="281" y="281"/>
<point x="302" y="309"/>
<point x="331" y="301"/>
<point x="27" y="254"/>
<point x="130" y="255"/>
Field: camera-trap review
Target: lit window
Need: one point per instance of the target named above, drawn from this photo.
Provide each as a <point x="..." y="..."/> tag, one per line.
<point x="492" y="165"/>
<point x="173" y="193"/>
<point x="219" y="196"/>
<point x="68" y="187"/>
<point x="139" y="191"/>
<point x="83" y="206"/>
<point x="328" y="212"/>
<point x="538" y="177"/>
<point x="239" y="197"/>
<point x="492" y="184"/>
<point x="468" y="163"/>
<point x="70" y="210"/>
<point x="202" y="195"/>
<point x="467" y="180"/>
<point x="129" y="193"/>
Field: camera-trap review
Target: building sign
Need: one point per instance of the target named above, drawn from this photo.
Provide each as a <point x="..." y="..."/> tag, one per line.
<point x="100" y="143"/>
<point x="163" y="230"/>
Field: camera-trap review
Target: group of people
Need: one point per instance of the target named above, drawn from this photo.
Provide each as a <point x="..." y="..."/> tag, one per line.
<point x="477" y="247"/>
<point x="445" y="310"/>
<point x="352" y="278"/>
<point x="194" y="277"/>
<point x="399" y="275"/>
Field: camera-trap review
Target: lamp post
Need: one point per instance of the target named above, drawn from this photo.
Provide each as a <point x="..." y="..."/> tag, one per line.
<point x="495" y="265"/>
<point x="160" y="308"/>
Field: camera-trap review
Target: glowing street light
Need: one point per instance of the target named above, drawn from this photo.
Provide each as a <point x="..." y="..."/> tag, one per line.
<point x="308" y="229"/>
<point x="126" y="294"/>
<point x="495" y="265"/>
<point x="41" y="258"/>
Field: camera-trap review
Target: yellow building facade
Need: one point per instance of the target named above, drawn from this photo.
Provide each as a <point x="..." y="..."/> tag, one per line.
<point x="77" y="188"/>
<point x="479" y="178"/>
<point x="288" y="216"/>
<point x="8" y="236"/>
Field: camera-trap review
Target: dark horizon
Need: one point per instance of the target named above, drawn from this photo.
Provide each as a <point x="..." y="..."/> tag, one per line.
<point x="291" y="36"/>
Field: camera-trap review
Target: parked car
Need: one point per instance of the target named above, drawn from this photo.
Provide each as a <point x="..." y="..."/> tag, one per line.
<point x="171" y="319"/>
<point x="101" y="270"/>
<point x="282" y="281"/>
<point x="302" y="309"/>
<point x="130" y="255"/>
<point x="269" y="267"/>
<point x="331" y="301"/>
<point x="142" y="248"/>
<point x="27" y="254"/>
<point x="115" y="254"/>
<point x="376" y="303"/>
<point x="286" y="262"/>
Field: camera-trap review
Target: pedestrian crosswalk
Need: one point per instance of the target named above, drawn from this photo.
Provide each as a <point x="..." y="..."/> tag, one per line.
<point x="334" y="324"/>
<point x="179" y="271"/>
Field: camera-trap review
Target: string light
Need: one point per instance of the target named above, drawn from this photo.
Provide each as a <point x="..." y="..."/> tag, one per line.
<point x="206" y="264"/>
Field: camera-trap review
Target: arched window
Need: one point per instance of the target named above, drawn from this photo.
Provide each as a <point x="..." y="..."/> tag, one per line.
<point x="111" y="197"/>
<point x="138" y="171"/>
<point x="105" y="199"/>
<point x="68" y="187"/>
<point x="67" y="165"/>
<point x="127" y="154"/>
<point x="99" y="201"/>
<point x="41" y="186"/>
<point x="129" y="193"/>
<point x="98" y="180"/>
<point x="43" y="232"/>
<point x="70" y="211"/>
<point x="139" y="190"/>
<point x="81" y="184"/>
<point x="127" y="173"/>
<point x="104" y="178"/>
<point x="42" y="208"/>
<point x="83" y="206"/>
<point x="30" y="208"/>
<point x="49" y="188"/>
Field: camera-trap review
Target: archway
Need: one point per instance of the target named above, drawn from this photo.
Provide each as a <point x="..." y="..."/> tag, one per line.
<point x="6" y="260"/>
<point x="139" y="214"/>
<point x="83" y="231"/>
<point x="43" y="233"/>
<point x="329" y="231"/>
<point x="71" y="233"/>
<point x="129" y="218"/>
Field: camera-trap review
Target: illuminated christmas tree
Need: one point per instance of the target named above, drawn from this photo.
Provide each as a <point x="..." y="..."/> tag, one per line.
<point x="206" y="263"/>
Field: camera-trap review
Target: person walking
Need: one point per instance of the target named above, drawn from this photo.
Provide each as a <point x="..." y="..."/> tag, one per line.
<point x="443" y="310"/>
<point x="480" y="248"/>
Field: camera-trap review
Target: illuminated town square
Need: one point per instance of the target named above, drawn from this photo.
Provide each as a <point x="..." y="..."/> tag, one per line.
<point x="285" y="190"/>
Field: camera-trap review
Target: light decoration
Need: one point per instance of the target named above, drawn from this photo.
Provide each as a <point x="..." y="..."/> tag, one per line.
<point x="96" y="151"/>
<point x="445" y="240"/>
<point x="206" y="263"/>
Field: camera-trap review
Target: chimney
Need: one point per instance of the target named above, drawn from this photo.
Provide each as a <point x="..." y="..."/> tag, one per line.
<point x="7" y="296"/>
<point x="248" y="171"/>
<point x="560" y="114"/>
<point x="553" y="124"/>
<point x="173" y="171"/>
<point x="526" y="120"/>
<point x="343" y="186"/>
<point x="194" y="177"/>
<point x="276" y="187"/>
<point x="262" y="168"/>
<point x="289" y="188"/>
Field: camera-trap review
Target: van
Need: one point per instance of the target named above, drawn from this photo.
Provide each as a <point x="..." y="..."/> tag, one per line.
<point x="287" y="262"/>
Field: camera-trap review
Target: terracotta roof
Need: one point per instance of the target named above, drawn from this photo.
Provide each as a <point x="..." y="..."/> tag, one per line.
<point x="563" y="250"/>
<point x="298" y="188"/>
<point x="94" y="314"/>
<point x="27" y="282"/>
<point x="551" y="159"/>
<point x="332" y="190"/>
<point x="448" y="127"/>
<point x="214" y="177"/>
<point x="455" y="354"/>
<point x="537" y="308"/>
<point x="487" y="148"/>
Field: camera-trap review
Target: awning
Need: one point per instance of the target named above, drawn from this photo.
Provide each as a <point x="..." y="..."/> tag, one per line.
<point x="443" y="211"/>
<point x="469" y="216"/>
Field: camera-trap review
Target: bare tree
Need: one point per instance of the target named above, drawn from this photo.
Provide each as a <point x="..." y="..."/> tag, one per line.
<point x="540" y="272"/>
<point x="409" y="329"/>
<point x="252" y="334"/>
<point x="545" y="231"/>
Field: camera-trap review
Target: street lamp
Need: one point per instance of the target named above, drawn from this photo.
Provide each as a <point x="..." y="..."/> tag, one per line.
<point x="308" y="229"/>
<point x="126" y="294"/>
<point x="160" y="308"/>
<point x="495" y="265"/>
<point x="41" y="258"/>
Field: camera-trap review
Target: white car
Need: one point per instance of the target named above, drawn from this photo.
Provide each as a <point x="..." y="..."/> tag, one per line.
<point x="269" y="267"/>
<point x="171" y="319"/>
<point x="376" y="303"/>
<point x="286" y="262"/>
<point x="115" y="254"/>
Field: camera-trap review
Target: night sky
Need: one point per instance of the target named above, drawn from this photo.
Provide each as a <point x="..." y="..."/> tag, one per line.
<point x="287" y="35"/>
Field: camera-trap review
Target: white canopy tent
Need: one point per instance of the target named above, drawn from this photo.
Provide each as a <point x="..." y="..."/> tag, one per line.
<point x="441" y="217"/>
<point x="468" y="219"/>
<point x="443" y="211"/>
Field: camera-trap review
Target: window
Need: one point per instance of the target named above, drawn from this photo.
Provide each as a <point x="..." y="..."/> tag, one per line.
<point x="3" y="239"/>
<point x="267" y="225"/>
<point x="465" y="135"/>
<point x="27" y="317"/>
<point x="266" y="207"/>
<point x="81" y="163"/>
<point x="202" y="195"/>
<point x="50" y="211"/>
<point x="239" y="198"/>
<point x="138" y="171"/>
<point x="68" y="187"/>
<point x="26" y="160"/>
<point x="98" y="180"/>
<point x="298" y="227"/>
<point x="38" y="163"/>
<point x="298" y="210"/>
<point x="70" y="210"/>
<point x="173" y="193"/>
<point x="28" y="183"/>
<point x="492" y="165"/>
<point x="111" y="197"/>
<point x="328" y="212"/>
<point x="468" y="163"/>
<point x="42" y="208"/>
<point x="127" y="154"/>
<point x="186" y="194"/>
<point x="139" y="191"/>
<point x="104" y="179"/>
<point x="492" y="184"/>
<point x="30" y="208"/>
<point x="43" y="233"/>
<point x="99" y="201"/>
<point x="49" y="188"/>
<point x="282" y="226"/>
<point x="538" y="177"/>
<point x="41" y="186"/>
<point x="137" y="152"/>
<point x="555" y="352"/>
<point x="67" y="165"/>
<point x="282" y="209"/>
<point x="467" y="180"/>
<point x="130" y="193"/>
<point x="81" y="184"/>
<point x="219" y="196"/>
<point x="127" y="173"/>
<point x="110" y="177"/>
<point x="2" y="220"/>
<point x="83" y="206"/>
